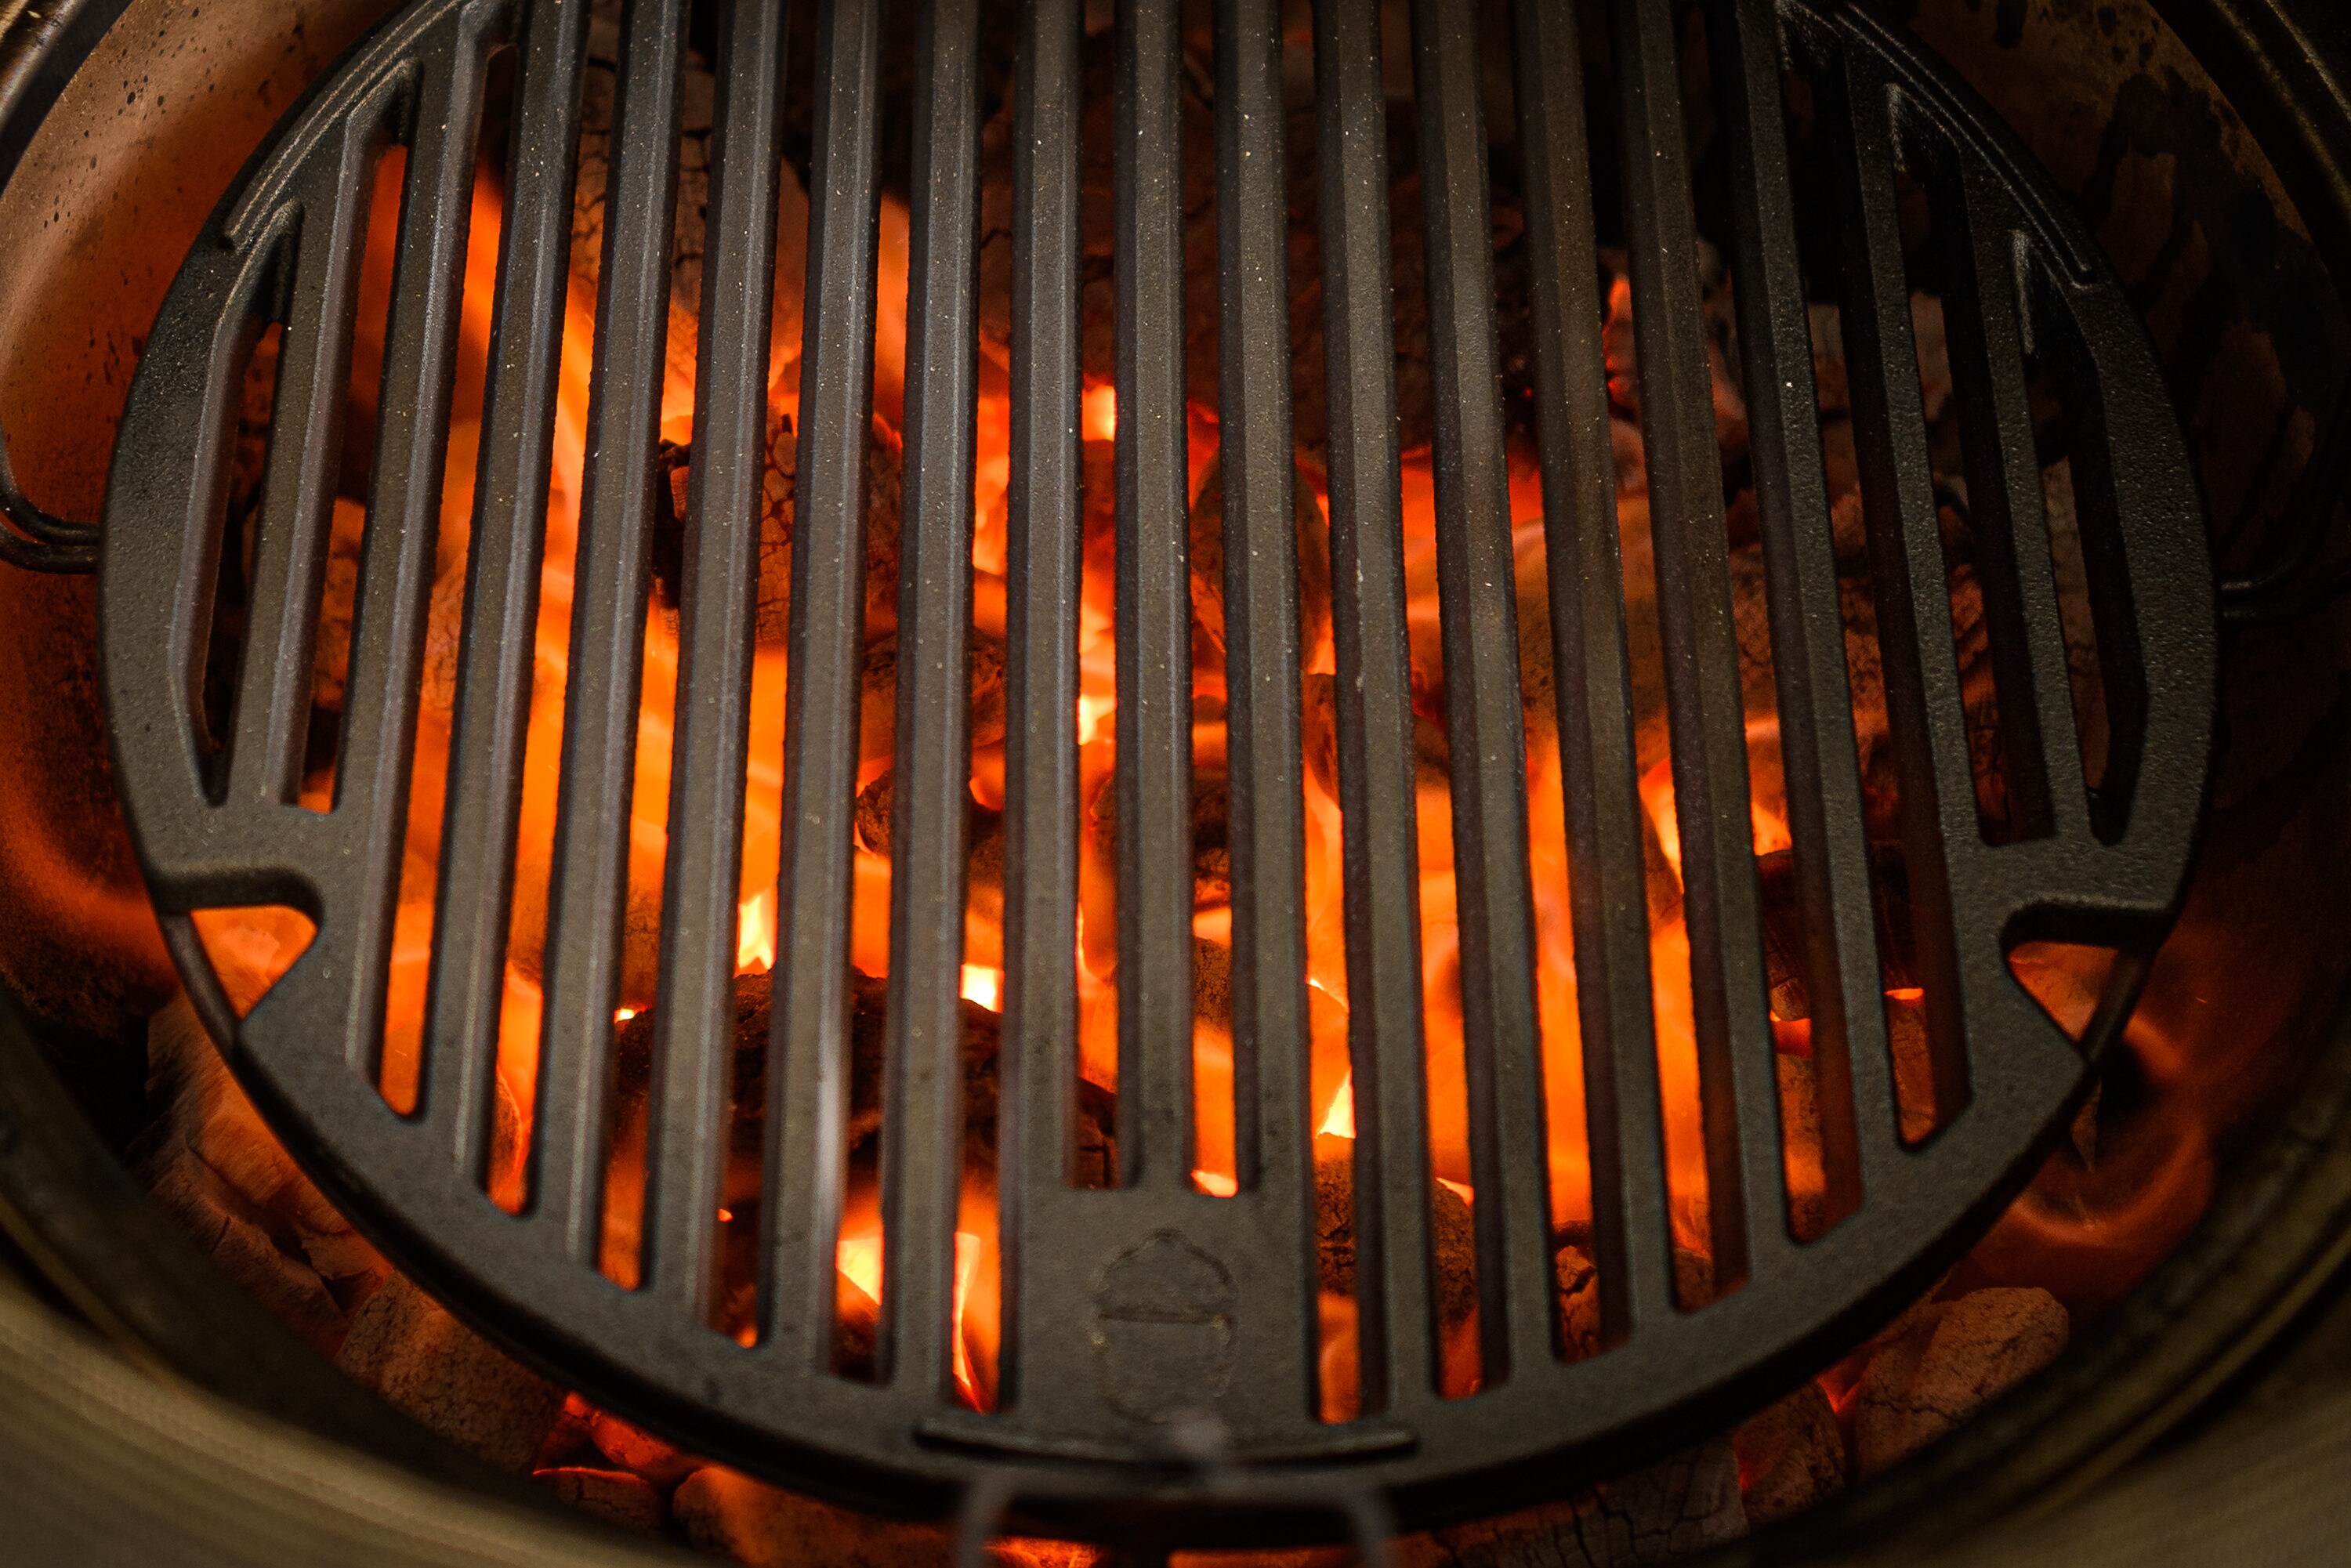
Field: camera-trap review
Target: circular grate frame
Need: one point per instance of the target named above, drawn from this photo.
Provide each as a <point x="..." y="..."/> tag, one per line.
<point x="2107" y="867"/>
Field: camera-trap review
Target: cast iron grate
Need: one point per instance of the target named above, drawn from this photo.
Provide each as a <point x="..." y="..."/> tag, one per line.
<point x="1129" y="1309"/>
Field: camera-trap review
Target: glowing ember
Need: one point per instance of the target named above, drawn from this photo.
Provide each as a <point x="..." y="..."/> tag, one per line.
<point x="1339" y="1120"/>
<point x="858" y="1258"/>
<point x="984" y="986"/>
<point x="1097" y="415"/>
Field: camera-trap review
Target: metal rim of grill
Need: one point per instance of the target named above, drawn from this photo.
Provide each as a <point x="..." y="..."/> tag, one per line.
<point x="2108" y="866"/>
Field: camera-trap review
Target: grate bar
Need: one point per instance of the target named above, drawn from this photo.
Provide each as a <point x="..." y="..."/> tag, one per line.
<point x="1154" y="611"/>
<point x="498" y="643"/>
<point x="694" y="1019"/>
<point x="1722" y="905"/>
<point x="2119" y="471"/>
<point x="1984" y="327"/>
<point x="387" y="647"/>
<point x="588" y="890"/>
<point x="1817" y="755"/>
<point x="807" y="1079"/>
<point x="1041" y="761"/>
<point x="1992" y="417"/>
<point x="1592" y="673"/>
<point x="921" y="1127"/>
<point x="1258" y="471"/>
<point x="1923" y="704"/>
<point x="1395" y="1327"/>
<point x="1477" y="605"/>
<point x="273" y="706"/>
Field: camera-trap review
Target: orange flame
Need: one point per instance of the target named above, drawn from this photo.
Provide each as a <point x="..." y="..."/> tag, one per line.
<point x="754" y="938"/>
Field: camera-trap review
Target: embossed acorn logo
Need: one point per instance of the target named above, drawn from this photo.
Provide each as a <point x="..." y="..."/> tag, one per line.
<point x="1163" y="1329"/>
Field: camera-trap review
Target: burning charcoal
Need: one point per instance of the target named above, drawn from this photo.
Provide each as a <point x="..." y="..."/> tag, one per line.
<point x="1751" y="625"/>
<point x="1866" y="677"/>
<point x="1211" y="852"/>
<point x="1783" y="935"/>
<point x="1934" y="355"/>
<point x="1849" y="519"/>
<point x="1207" y="560"/>
<point x="776" y="488"/>
<point x="878" y="698"/>
<point x="1693" y="1278"/>
<point x="633" y="1042"/>
<point x="1663" y="882"/>
<point x="1212" y="861"/>
<point x="885" y="454"/>
<point x="1791" y="1456"/>
<point x="1799" y="1111"/>
<point x="331" y="657"/>
<point x="986" y="659"/>
<point x="1456" y="1239"/>
<point x="1951" y="1363"/>
<point x="566" y="1439"/>
<point x="636" y="1450"/>
<point x="873" y="805"/>
<point x="1913" y="1067"/>
<point x="443" y="631"/>
<point x="855" y="1334"/>
<point x="598" y="96"/>
<point x="640" y="925"/>
<point x="1742" y="519"/>
<point x="1538" y="698"/>
<point x="1630" y="457"/>
<point x="1579" y="1302"/>
<point x="210" y="1213"/>
<point x="1618" y="342"/>
<point x="1335" y="1217"/>
<point x="212" y="1161"/>
<point x="867" y="1032"/>
<point x="1978" y="693"/>
<point x="672" y="488"/>
<point x="1319" y="729"/>
<point x="1212" y="982"/>
<point x="1673" y="1509"/>
<point x="616" y="1496"/>
<point x="1830" y="387"/>
<point x="403" y="1345"/>
<point x="984" y="896"/>
<point x="728" y="1514"/>
<point x="1097" y="1163"/>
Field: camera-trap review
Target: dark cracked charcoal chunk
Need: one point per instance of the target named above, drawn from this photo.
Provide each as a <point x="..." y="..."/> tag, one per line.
<point x="1662" y="1513"/>
<point x="1212" y="861"/>
<point x="1578" y="1283"/>
<point x="1208" y="564"/>
<point x="1791" y="1456"/>
<point x="405" y="1346"/>
<point x="878" y="698"/>
<point x="1950" y="1362"/>
<point x="1454" y="1236"/>
<point x="599" y="93"/>
<point x="884" y="458"/>
<point x="1784" y="936"/>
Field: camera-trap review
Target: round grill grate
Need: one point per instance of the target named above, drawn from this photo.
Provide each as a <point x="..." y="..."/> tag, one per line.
<point x="1131" y="1313"/>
